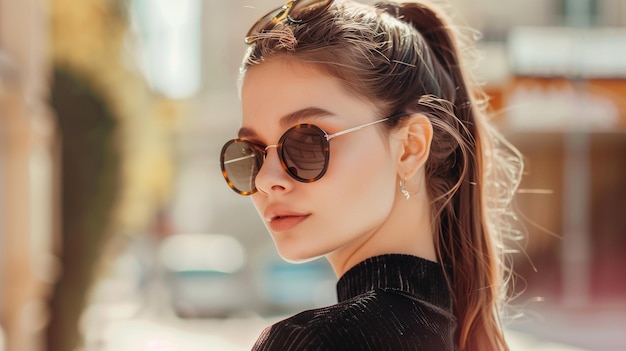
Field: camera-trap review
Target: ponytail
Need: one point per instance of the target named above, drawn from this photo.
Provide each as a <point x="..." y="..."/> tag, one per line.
<point x="460" y="175"/>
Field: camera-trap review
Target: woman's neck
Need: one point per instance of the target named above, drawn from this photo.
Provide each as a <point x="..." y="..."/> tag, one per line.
<point x="407" y="230"/>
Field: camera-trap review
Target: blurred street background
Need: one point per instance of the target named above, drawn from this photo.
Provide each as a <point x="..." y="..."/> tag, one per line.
<point x="117" y="231"/>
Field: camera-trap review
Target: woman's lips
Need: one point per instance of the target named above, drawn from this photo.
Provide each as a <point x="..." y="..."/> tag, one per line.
<point x="281" y="219"/>
<point x="284" y="223"/>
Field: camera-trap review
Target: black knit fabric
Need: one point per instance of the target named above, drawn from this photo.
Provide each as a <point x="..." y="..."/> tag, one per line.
<point x="390" y="302"/>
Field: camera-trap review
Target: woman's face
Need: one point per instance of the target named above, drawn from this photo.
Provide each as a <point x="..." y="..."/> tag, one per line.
<point x="340" y="212"/>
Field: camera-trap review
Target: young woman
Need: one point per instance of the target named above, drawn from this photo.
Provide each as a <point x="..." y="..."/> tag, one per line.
<point x="364" y="141"/>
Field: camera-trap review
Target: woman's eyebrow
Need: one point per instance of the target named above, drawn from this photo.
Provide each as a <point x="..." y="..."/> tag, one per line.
<point x="290" y="119"/>
<point x="296" y="117"/>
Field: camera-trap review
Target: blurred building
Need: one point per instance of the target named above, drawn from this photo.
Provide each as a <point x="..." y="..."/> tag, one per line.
<point x="567" y="111"/>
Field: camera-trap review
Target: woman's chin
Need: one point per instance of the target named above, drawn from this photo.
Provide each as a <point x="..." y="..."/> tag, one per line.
<point x="294" y="256"/>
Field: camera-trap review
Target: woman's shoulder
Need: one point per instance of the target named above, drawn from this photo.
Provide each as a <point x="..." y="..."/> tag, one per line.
<point x="379" y="320"/>
<point x="307" y="330"/>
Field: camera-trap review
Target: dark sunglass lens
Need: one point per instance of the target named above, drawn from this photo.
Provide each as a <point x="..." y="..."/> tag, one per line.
<point x="241" y="162"/>
<point x="305" y="10"/>
<point x="305" y="152"/>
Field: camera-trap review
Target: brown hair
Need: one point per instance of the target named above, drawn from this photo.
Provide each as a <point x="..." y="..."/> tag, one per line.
<point x="406" y="57"/>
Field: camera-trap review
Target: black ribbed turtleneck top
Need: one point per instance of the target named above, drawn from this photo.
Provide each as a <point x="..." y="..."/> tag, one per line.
<point x="390" y="302"/>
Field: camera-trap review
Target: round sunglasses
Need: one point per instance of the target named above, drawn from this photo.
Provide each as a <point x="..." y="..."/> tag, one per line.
<point x="303" y="151"/>
<point x="296" y="11"/>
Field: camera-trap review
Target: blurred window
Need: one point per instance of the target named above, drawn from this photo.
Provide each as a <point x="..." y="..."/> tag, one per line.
<point x="170" y="44"/>
<point x="577" y="13"/>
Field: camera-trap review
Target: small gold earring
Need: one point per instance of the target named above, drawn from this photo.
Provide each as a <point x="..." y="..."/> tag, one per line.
<point x="403" y="189"/>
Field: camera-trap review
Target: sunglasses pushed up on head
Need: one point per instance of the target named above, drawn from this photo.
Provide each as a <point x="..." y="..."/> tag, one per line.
<point x="297" y="11"/>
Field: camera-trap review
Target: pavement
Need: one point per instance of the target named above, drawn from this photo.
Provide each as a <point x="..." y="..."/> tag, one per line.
<point x="597" y="327"/>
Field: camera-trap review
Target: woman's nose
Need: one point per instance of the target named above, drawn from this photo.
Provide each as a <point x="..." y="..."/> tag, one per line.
<point x="272" y="176"/>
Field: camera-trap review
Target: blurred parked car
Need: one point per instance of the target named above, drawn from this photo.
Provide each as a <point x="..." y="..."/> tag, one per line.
<point x="205" y="275"/>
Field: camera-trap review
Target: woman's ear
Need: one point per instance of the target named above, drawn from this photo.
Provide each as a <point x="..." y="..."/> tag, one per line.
<point x="415" y="137"/>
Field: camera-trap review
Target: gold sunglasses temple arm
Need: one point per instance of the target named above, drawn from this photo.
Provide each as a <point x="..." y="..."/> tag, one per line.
<point x="354" y="129"/>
